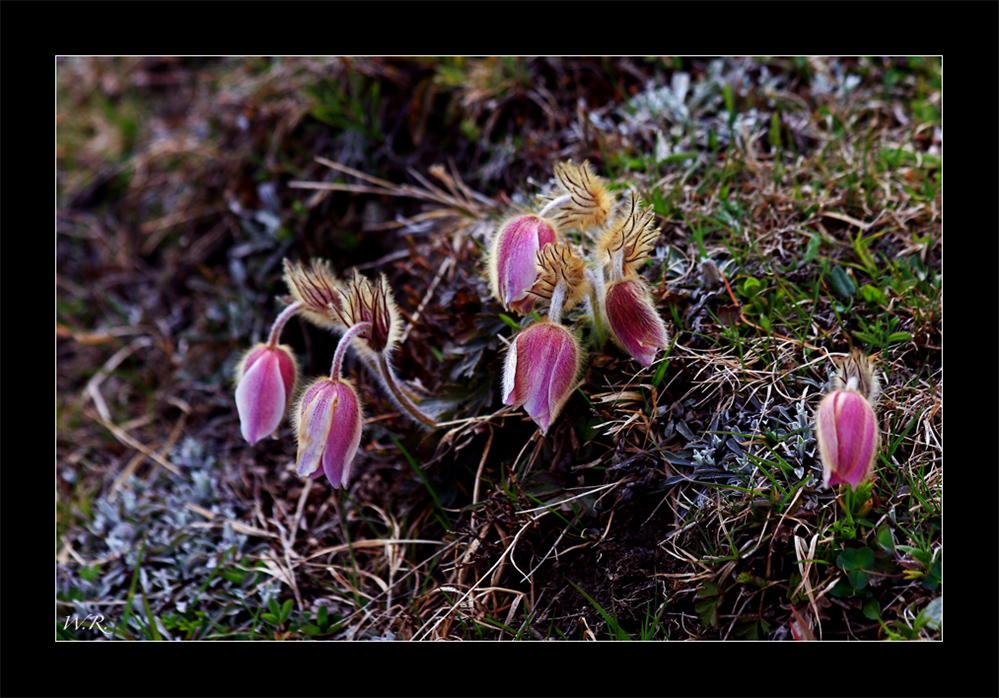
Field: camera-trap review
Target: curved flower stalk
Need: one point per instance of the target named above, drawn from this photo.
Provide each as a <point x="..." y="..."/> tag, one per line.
<point x="331" y="303"/>
<point x="329" y="420"/>
<point x="512" y="259"/>
<point x="266" y="377"/>
<point x="335" y="304"/>
<point x="846" y="426"/>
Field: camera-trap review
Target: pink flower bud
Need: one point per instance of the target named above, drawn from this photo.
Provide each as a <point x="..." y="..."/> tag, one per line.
<point x="634" y="320"/>
<point x="266" y="380"/>
<point x="513" y="265"/>
<point x="847" y="432"/>
<point x="329" y="430"/>
<point x="540" y="371"/>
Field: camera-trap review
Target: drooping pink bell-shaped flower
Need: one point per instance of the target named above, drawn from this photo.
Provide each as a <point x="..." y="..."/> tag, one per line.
<point x="329" y="430"/>
<point x="634" y="320"/>
<point x="540" y="371"/>
<point x="266" y="378"/>
<point x="848" y="436"/>
<point x="513" y="265"/>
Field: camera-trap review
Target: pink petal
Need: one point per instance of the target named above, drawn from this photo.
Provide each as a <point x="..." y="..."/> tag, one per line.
<point x="847" y="434"/>
<point x="538" y="368"/>
<point x="344" y="436"/>
<point x="516" y="249"/>
<point x="634" y="320"/>
<point x="260" y="395"/>
<point x="314" y="425"/>
<point x="541" y="371"/>
<point x="289" y="371"/>
<point x="512" y="396"/>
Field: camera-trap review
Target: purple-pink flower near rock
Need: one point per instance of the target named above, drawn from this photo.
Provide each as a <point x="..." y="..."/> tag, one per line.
<point x="266" y="382"/>
<point x="540" y="371"/>
<point x="634" y="321"/>
<point x="513" y="265"/>
<point x="848" y="437"/>
<point x="329" y="430"/>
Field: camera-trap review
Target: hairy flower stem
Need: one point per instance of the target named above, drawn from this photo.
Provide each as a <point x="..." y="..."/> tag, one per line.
<point x="554" y="204"/>
<point x="597" y="309"/>
<point x="336" y="369"/>
<point x="280" y="322"/>
<point x="557" y="301"/>
<point x="392" y="383"/>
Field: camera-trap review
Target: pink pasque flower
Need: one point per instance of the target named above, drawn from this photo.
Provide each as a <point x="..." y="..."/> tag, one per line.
<point x="266" y="378"/>
<point x="329" y="430"/>
<point x="847" y="432"/>
<point x="540" y="371"/>
<point x="513" y="267"/>
<point x="633" y="319"/>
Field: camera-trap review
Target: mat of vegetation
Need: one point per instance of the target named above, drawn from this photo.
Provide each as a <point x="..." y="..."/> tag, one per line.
<point x="799" y="202"/>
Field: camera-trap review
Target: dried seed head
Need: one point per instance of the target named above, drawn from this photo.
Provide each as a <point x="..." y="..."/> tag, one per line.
<point x="589" y="201"/>
<point x="560" y="264"/>
<point x="629" y="239"/>
<point x="318" y="289"/>
<point x="365" y="301"/>
<point x="857" y="373"/>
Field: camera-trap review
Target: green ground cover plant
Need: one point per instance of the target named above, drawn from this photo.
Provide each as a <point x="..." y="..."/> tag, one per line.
<point x="794" y="221"/>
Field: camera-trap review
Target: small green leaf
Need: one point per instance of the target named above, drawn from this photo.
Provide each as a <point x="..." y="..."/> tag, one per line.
<point x="842" y="590"/>
<point x="707" y="590"/>
<point x="322" y="618"/>
<point x="510" y="321"/>
<point x="858" y="580"/>
<point x="934" y="576"/>
<point x="750" y="287"/>
<point x="899" y="337"/>
<point x="933" y="613"/>
<point x="885" y="540"/>
<point x="842" y="283"/>
<point x="865" y="559"/>
<point x="872" y="609"/>
<point x="660" y="372"/>
<point x="286" y="610"/>
<point x="845" y="560"/>
<point x="855" y="559"/>
<point x="872" y="295"/>
<point x="230" y="575"/>
<point x="813" y="249"/>
<point x="311" y="630"/>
